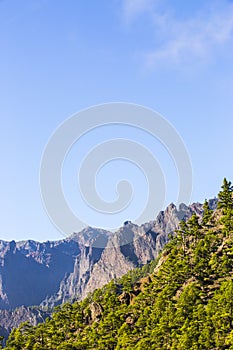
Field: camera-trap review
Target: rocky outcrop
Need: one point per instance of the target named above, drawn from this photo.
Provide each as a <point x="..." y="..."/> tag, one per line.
<point x="96" y="311"/>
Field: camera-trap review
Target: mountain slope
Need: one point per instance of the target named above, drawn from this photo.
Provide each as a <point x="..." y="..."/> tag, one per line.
<point x="182" y="301"/>
<point x="51" y="273"/>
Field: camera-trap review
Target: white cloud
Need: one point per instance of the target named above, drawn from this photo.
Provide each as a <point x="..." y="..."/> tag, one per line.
<point x="181" y="41"/>
<point x="194" y="39"/>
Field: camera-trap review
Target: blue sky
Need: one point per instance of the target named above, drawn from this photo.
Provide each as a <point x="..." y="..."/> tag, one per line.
<point x="58" y="58"/>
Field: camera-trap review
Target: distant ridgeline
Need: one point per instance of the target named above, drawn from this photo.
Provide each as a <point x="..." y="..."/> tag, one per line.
<point x="181" y="300"/>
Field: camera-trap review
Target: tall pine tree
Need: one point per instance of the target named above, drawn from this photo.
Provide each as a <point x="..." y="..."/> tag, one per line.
<point x="226" y="195"/>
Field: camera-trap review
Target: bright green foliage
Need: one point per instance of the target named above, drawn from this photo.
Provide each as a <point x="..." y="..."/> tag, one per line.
<point x="1" y="341"/>
<point x="184" y="303"/>
<point x="226" y="204"/>
<point x="226" y="195"/>
<point x="207" y="214"/>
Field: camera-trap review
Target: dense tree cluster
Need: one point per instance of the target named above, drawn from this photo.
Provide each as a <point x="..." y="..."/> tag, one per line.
<point x="182" y="301"/>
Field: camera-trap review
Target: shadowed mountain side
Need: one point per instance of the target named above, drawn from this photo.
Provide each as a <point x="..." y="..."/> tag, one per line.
<point x="26" y="280"/>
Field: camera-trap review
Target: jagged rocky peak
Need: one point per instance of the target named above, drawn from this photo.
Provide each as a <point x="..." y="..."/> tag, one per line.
<point x="171" y="207"/>
<point x="90" y="236"/>
<point x="127" y="223"/>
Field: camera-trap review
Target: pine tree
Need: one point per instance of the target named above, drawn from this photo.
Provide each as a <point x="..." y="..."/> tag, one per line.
<point x="226" y="204"/>
<point x="207" y="214"/>
<point x="226" y="196"/>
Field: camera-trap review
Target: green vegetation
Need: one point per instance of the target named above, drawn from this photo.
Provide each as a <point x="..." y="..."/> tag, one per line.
<point x="182" y="301"/>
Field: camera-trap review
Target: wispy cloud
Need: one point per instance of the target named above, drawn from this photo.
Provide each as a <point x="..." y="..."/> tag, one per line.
<point x="196" y="38"/>
<point x="134" y="8"/>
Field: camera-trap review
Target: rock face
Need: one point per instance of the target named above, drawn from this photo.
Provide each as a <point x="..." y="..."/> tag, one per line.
<point x="12" y="319"/>
<point x="50" y="273"/>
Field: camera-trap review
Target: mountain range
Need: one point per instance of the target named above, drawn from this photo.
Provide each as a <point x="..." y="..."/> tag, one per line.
<point x="182" y="299"/>
<point x="53" y="272"/>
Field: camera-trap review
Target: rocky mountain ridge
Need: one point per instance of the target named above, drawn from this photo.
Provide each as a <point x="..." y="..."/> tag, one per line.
<point x="181" y="300"/>
<point x="50" y="273"/>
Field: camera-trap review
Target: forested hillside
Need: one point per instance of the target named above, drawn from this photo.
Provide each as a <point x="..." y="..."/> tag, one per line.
<point x="184" y="300"/>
